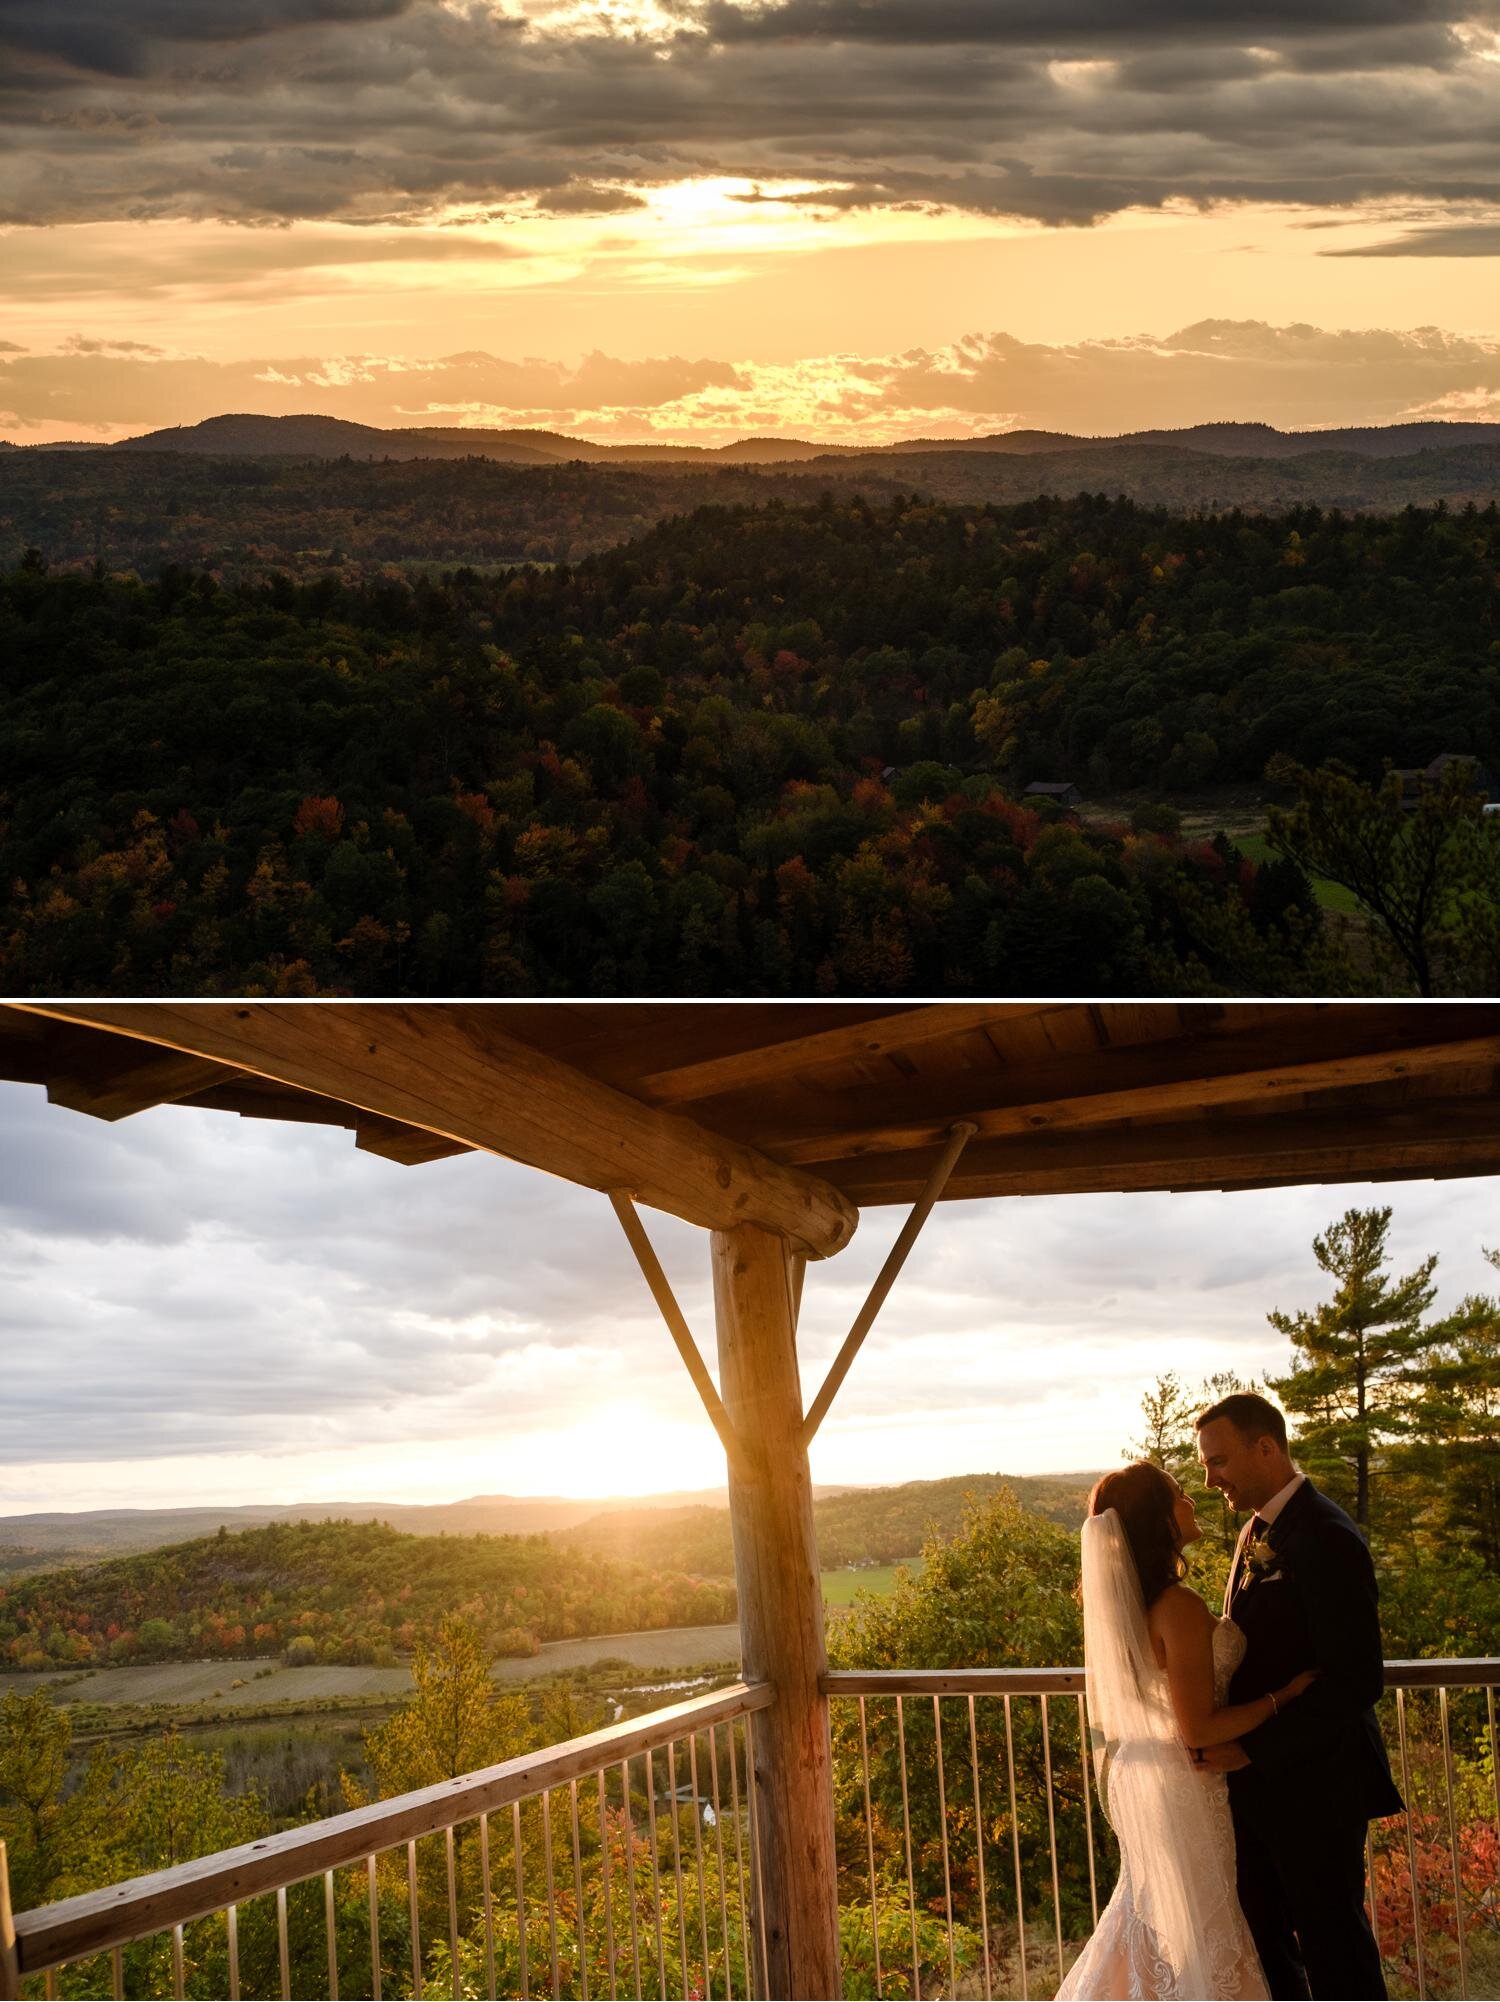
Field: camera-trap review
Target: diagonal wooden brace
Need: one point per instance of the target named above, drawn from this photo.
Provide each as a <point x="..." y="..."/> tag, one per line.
<point x="677" y="1327"/>
<point x="864" y="1320"/>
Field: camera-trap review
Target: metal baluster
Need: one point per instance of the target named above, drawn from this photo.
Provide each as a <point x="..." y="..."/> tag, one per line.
<point x="451" y="1867"/>
<point x="117" y="1973"/>
<point x="984" y="1903"/>
<point x="1411" y="1845"/>
<point x="864" y="1760"/>
<point x="635" y="1937"/>
<point x="579" y="1928"/>
<point x="609" y="1901"/>
<point x="661" y="1950"/>
<point x="1458" y="1882"/>
<point x="489" y="1907"/>
<point x="937" y="1735"/>
<point x="551" y="1886"/>
<point x="328" y="1926"/>
<point x="515" y="1823"/>
<point x="1052" y="1838"/>
<point x="1494" y="1753"/>
<point x="708" y="1978"/>
<point x="49" y="1981"/>
<point x="416" y="1923"/>
<point x="739" y="1860"/>
<point x="1086" y="1764"/>
<point x="911" y="1887"/>
<point x="373" y="1887"/>
<point x="677" y="1865"/>
<point x="1015" y="1843"/>
<point x="232" y="1926"/>
<point x="713" y="1753"/>
<point x="284" y="1951"/>
<point x="756" y="1865"/>
<point x="179" y="1984"/>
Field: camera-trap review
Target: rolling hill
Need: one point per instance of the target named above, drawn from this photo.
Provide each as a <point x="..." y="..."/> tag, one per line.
<point x="359" y="1592"/>
<point x="315" y="436"/>
<point x="51" y="1540"/>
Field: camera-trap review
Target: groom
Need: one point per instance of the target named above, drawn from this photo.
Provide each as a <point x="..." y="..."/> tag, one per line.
<point x="1304" y="1784"/>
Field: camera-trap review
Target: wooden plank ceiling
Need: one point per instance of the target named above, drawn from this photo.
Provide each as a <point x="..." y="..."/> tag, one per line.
<point x="1066" y="1096"/>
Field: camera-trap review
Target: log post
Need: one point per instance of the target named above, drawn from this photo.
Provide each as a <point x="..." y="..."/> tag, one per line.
<point x="10" y="1960"/>
<point x="781" y="1615"/>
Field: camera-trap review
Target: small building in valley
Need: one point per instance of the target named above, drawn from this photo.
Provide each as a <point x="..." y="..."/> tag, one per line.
<point x="1062" y="792"/>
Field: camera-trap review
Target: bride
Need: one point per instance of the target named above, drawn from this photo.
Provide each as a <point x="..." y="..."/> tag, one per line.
<point x="1158" y="1666"/>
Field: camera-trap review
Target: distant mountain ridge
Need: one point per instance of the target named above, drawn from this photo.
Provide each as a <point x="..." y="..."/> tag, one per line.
<point x="53" y="1538"/>
<point x="621" y="1524"/>
<point x="245" y="434"/>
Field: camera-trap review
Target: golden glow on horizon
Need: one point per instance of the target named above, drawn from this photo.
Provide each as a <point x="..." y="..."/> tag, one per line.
<point x="797" y="298"/>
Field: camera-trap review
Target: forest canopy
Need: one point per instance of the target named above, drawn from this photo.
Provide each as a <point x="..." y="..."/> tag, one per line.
<point x="773" y="750"/>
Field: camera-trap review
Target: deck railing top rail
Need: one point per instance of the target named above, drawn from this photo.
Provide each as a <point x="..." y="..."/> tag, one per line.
<point x="96" y="1921"/>
<point x="1480" y="1672"/>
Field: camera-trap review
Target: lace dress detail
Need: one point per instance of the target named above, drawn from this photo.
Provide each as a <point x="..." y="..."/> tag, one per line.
<point x="1188" y="1860"/>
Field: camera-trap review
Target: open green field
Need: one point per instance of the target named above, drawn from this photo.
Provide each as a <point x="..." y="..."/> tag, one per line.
<point x="1332" y="896"/>
<point x="839" y="1587"/>
<point x="252" y="1685"/>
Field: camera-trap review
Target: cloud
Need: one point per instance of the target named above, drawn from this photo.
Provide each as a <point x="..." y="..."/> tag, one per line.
<point x="1468" y="239"/>
<point x="1291" y="376"/>
<point x="276" y="110"/>
<point x="186" y="1284"/>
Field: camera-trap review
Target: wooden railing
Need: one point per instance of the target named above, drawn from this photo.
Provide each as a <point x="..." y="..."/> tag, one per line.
<point x="656" y="1759"/>
<point x="972" y="1857"/>
<point x="970" y="1832"/>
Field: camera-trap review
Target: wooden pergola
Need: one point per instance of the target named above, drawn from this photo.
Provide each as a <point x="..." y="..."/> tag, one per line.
<point x="771" y="1125"/>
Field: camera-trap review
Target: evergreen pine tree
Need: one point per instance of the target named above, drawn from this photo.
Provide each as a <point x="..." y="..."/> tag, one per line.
<point x="1359" y="1356"/>
<point x="1460" y="1413"/>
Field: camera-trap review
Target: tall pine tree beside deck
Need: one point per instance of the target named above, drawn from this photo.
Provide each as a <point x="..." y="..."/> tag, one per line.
<point x="1355" y="1380"/>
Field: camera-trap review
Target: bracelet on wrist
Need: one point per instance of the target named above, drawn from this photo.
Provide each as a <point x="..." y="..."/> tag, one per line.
<point x="1275" y="1706"/>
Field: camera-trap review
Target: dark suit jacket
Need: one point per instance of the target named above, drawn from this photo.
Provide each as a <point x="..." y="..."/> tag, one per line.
<point x="1323" y="1757"/>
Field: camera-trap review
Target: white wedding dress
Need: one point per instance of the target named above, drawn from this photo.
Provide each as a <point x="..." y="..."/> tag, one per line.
<point x="1173" y="1927"/>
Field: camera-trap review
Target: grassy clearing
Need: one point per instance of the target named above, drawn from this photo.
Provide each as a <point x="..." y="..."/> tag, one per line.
<point x="839" y="1587"/>
<point x="1332" y="896"/>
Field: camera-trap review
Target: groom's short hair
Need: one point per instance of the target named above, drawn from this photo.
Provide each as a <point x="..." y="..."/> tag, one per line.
<point x="1252" y="1416"/>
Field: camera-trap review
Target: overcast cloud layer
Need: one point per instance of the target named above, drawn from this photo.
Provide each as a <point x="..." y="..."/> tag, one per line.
<point x="1290" y="376"/>
<point x="200" y="1308"/>
<point x="388" y="110"/>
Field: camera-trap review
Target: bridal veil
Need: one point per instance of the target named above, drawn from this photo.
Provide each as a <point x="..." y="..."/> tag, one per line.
<point x="1173" y="1927"/>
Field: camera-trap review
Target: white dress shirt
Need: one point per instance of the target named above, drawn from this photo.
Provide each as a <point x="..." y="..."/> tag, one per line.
<point x="1268" y="1511"/>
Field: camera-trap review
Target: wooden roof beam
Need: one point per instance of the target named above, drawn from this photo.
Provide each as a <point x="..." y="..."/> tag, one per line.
<point x="779" y="1057"/>
<point x="422" y="1067"/>
<point x="1264" y="1066"/>
<point x="119" y="1080"/>
<point x="885" y="1279"/>
<point x="677" y="1327"/>
<point x="1294" y="1148"/>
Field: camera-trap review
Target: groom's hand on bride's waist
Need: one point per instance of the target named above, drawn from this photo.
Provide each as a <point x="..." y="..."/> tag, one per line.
<point x="1223" y="1758"/>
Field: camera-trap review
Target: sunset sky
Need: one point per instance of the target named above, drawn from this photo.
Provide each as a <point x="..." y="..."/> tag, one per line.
<point x="702" y="219"/>
<point x="196" y="1308"/>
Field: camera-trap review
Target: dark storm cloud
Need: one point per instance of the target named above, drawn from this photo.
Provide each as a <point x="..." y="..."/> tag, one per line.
<point x="122" y="40"/>
<point x="1094" y="24"/>
<point x="1471" y="239"/>
<point x="257" y="1276"/>
<point x="370" y="111"/>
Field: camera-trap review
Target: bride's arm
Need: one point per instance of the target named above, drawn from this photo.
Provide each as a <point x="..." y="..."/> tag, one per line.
<point x="1185" y="1628"/>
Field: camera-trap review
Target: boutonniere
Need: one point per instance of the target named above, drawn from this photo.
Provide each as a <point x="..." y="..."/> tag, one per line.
<point x="1261" y="1559"/>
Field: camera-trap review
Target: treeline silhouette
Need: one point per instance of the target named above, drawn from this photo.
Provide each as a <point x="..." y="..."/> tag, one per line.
<point x="238" y="515"/>
<point x="773" y="750"/>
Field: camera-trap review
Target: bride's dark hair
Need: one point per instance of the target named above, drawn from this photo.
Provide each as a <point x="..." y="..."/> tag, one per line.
<point x="1143" y="1498"/>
